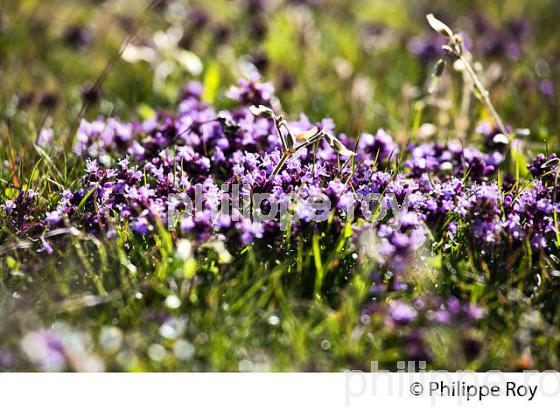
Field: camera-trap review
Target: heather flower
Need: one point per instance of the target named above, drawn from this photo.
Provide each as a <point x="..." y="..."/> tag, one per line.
<point x="545" y="168"/>
<point x="235" y="148"/>
<point x="547" y="87"/>
<point x="401" y="312"/>
<point x="193" y="90"/>
<point x="252" y="92"/>
<point x="45" y="247"/>
<point x="494" y="140"/>
<point x="141" y="226"/>
<point x="427" y="48"/>
<point x="380" y="147"/>
<point x="21" y="210"/>
<point x="53" y="217"/>
<point x="9" y="205"/>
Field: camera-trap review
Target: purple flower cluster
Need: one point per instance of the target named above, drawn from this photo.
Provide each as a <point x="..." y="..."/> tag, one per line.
<point x="446" y="186"/>
<point x="19" y="213"/>
<point x="197" y="146"/>
<point x="252" y="91"/>
<point x="411" y="322"/>
<point x="445" y="192"/>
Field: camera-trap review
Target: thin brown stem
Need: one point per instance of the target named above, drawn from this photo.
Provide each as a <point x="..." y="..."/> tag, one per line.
<point x="280" y="164"/>
<point x="485" y="95"/>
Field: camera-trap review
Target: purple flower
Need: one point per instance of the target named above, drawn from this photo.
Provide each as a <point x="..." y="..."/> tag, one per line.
<point x="192" y="90"/>
<point x="252" y="92"/>
<point x="427" y="48"/>
<point x="141" y="226"/>
<point x="546" y="168"/>
<point x="547" y="88"/>
<point x="9" y="206"/>
<point x="402" y="313"/>
<point x="53" y="217"/>
<point x="380" y="147"/>
<point x="46" y="247"/>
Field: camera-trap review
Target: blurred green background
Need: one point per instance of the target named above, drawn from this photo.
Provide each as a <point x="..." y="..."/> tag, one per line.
<point x="361" y="62"/>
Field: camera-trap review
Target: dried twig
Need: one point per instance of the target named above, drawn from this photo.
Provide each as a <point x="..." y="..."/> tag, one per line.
<point x="454" y="50"/>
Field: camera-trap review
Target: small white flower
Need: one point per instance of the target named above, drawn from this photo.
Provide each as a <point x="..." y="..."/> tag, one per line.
<point x="45" y="137"/>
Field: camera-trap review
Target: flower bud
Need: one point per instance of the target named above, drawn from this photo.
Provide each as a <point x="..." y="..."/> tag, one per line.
<point x="439" y="26"/>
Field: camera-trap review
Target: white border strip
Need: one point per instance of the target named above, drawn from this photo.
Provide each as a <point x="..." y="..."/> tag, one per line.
<point x="351" y="390"/>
